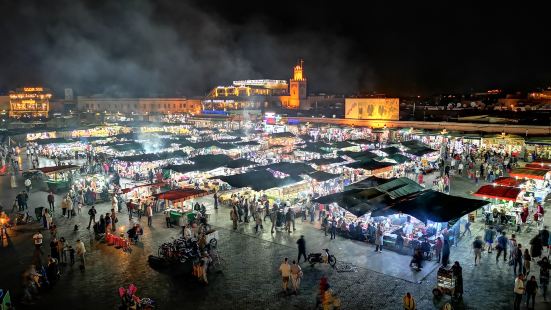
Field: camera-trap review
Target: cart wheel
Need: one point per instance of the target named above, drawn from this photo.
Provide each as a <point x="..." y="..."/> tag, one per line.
<point x="437" y="293"/>
<point x="213" y="242"/>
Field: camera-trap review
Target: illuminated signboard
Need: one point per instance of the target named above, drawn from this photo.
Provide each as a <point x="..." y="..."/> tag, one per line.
<point x="33" y="89"/>
<point x="372" y="108"/>
<point x="262" y="83"/>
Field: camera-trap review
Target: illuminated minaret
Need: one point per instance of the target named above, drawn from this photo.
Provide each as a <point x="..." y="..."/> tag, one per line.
<point x="297" y="86"/>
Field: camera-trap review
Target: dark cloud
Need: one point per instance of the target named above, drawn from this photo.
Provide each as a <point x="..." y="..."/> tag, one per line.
<point x="183" y="48"/>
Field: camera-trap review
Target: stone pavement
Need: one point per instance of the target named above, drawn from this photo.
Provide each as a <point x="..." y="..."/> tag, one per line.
<point x="248" y="277"/>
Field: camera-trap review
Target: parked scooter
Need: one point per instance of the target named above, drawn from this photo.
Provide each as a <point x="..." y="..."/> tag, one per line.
<point x="324" y="258"/>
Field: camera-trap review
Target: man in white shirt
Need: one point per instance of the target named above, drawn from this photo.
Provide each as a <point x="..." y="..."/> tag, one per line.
<point x="285" y="270"/>
<point x="519" y="290"/>
<point x="81" y="250"/>
<point x="38" y="241"/>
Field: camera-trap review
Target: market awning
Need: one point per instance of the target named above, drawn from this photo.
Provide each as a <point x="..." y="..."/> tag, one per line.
<point x="257" y="180"/>
<point x="152" y="156"/>
<point x="326" y="161"/>
<point x="285" y="134"/>
<point x="539" y="166"/>
<point x="508" y="181"/>
<point x="498" y="192"/>
<point x="342" y="144"/>
<point x="54" y="140"/>
<point x="371" y="181"/>
<point x="369" y="165"/>
<point x="293" y="169"/>
<point x="157" y="184"/>
<point x="180" y="194"/>
<point x="362" y="141"/>
<point x="358" y="155"/>
<point x="536" y="174"/>
<point x="322" y="176"/>
<point x="57" y="169"/>
<point x="202" y="163"/>
<point x="399" y="187"/>
<point x="431" y="205"/>
<point x="398" y="158"/>
<point x="420" y="151"/>
<point x="240" y="163"/>
<point x="390" y="150"/>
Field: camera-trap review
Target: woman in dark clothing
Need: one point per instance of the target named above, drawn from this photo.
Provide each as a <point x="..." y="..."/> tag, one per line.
<point x="445" y="253"/>
<point x="531" y="289"/>
<point x="535" y="246"/>
<point x="544" y="276"/>
<point x="458" y="274"/>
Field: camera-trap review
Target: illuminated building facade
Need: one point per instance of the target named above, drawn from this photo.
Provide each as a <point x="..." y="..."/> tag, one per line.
<point x="30" y="101"/>
<point x="297" y="88"/>
<point x="139" y="106"/>
<point x="245" y="94"/>
<point x="372" y="108"/>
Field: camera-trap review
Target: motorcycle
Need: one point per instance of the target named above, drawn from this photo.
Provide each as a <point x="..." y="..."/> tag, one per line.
<point x="129" y="300"/>
<point x="314" y="258"/>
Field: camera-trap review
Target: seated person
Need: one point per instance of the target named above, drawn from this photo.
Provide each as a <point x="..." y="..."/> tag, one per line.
<point x="417" y="259"/>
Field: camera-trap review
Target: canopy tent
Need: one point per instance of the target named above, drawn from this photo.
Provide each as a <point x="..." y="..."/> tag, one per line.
<point x="322" y="176"/>
<point x="371" y="181"/>
<point x="245" y="143"/>
<point x="413" y="144"/>
<point x="54" y="140"/>
<point x="177" y="195"/>
<point x="315" y="148"/>
<point x="369" y="165"/>
<point x="326" y="161"/>
<point x="431" y="205"/>
<point x="358" y="155"/>
<point x="536" y="174"/>
<point x="257" y="180"/>
<point x="127" y="146"/>
<point x="234" y="139"/>
<point x="202" y="163"/>
<point x="208" y="144"/>
<point x="292" y="169"/>
<point x="420" y="151"/>
<point x="240" y="163"/>
<point x="498" y="192"/>
<point x="507" y="181"/>
<point x="342" y="144"/>
<point x="538" y="140"/>
<point x="362" y="141"/>
<point x="157" y="184"/>
<point x="152" y="156"/>
<point x="285" y="134"/>
<point x="397" y="158"/>
<point x="399" y="187"/>
<point x="539" y="166"/>
<point x="390" y="150"/>
<point x="336" y="197"/>
<point x="57" y="169"/>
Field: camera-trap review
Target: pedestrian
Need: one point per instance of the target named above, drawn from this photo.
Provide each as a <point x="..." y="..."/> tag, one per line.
<point x="333" y="228"/>
<point x="518" y="259"/>
<point x="544" y="236"/>
<point x="215" y="197"/>
<point x="285" y="270"/>
<point x="70" y="209"/>
<point x="149" y="213"/>
<point x="446" y="253"/>
<point x="114" y="220"/>
<point x="258" y="221"/>
<point x="457" y="271"/>
<point x="526" y="258"/>
<point x="107" y="222"/>
<point x="478" y="246"/>
<point x="531" y="289"/>
<point x="53" y="248"/>
<point x="37" y="237"/>
<point x="61" y="250"/>
<point x="512" y="246"/>
<point x="379" y="240"/>
<point x="489" y="236"/>
<point x="167" y="219"/>
<point x="81" y="251"/>
<point x="296" y="274"/>
<point x="92" y="213"/>
<point x="438" y="249"/>
<point x="467" y="228"/>
<point x="519" y="291"/>
<point x="140" y="210"/>
<point x="233" y="217"/>
<point x="312" y="211"/>
<point x="536" y="246"/>
<point x="501" y="247"/>
<point x="71" y="251"/>
<point x="325" y="224"/>
<point x="301" y="248"/>
<point x="51" y="200"/>
<point x="544" y="276"/>
<point x="409" y="302"/>
<point x="28" y="185"/>
<point x="273" y="217"/>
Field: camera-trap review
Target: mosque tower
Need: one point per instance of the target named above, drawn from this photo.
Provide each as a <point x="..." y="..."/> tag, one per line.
<point x="297" y="86"/>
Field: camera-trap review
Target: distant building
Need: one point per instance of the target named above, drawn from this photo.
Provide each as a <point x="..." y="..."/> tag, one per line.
<point x="30" y="101"/>
<point x="140" y="106"/>
<point x="372" y="108"/>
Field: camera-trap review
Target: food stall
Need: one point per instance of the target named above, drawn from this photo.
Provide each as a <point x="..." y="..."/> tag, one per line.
<point x="174" y="202"/>
<point x="59" y="177"/>
<point x="537" y="181"/>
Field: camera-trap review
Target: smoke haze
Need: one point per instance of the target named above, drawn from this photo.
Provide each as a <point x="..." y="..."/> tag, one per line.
<point x="152" y="48"/>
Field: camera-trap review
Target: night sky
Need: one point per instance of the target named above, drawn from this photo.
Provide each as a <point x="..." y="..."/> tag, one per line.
<point x="184" y="48"/>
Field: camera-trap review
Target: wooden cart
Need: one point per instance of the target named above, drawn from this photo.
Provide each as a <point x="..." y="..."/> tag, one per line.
<point x="445" y="282"/>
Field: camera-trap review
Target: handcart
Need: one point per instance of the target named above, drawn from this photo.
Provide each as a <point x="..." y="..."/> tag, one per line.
<point x="445" y="283"/>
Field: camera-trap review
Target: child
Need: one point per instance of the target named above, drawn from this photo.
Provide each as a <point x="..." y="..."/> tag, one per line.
<point x="72" y="255"/>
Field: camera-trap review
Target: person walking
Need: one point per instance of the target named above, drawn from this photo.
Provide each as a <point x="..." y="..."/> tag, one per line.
<point x="92" y="213"/>
<point x="446" y="253"/>
<point x="301" y="248"/>
<point x="478" y="246"/>
<point x="258" y="221"/>
<point x="531" y="289"/>
<point x="215" y="197"/>
<point x="140" y="210"/>
<point x="544" y="276"/>
<point x="438" y="249"/>
<point x="526" y="259"/>
<point x="457" y="271"/>
<point x="51" y="200"/>
<point x="501" y="247"/>
<point x="467" y="229"/>
<point x="409" y="302"/>
<point x="325" y="224"/>
<point x="273" y="215"/>
<point x="114" y="220"/>
<point x="167" y="219"/>
<point x="149" y="213"/>
<point x="233" y="217"/>
<point x="81" y="251"/>
<point x="489" y="236"/>
<point x="518" y="259"/>
<point x="28" y="185"/>
<point x="69" y="207"/>
<point x="296" y="274"/>
<point x="379" y="240"/>
<point x="333" y="228"/>
<point x="38" y="238"/>
<point x="285" y="270"/>
<point x="519" y="291"/>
